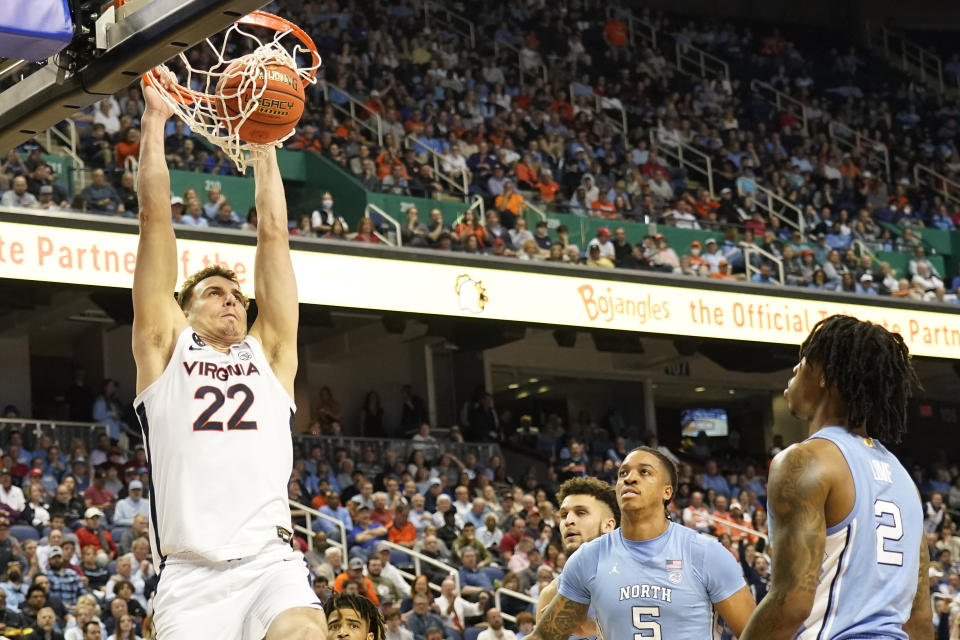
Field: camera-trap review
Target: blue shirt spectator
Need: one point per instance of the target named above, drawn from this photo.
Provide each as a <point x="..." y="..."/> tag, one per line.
<point x="711" y="479"/>
<point x="365" y="534"/>
<point x="101" y="197"/>
<point x="131" y="506"/>
<point x="334" y="509"/>
<point x="65" y="584"/>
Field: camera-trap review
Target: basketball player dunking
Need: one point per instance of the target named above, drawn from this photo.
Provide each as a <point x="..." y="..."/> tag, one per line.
<point x="846" y="523"/>
<point x="215" y="405"/>
<point x="588" y="509"/>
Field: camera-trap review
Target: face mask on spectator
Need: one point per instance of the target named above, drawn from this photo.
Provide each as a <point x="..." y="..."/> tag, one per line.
<point x="327" y="203"/>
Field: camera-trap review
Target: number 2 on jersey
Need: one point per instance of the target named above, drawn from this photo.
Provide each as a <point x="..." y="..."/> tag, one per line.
<point x="888" y="533"/>
<point x="646" y="625"/>
<point x="236" y="422"/>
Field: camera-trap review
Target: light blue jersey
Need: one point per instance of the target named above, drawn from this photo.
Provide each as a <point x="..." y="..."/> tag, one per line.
<point x="665" y="587"/>
<point x="871" y="559"/>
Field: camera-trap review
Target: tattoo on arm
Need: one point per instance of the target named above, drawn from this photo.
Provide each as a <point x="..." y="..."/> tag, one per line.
<point x="920" y="625"/>
<point x="559" y="619"/>
<point x="797" y="491"/>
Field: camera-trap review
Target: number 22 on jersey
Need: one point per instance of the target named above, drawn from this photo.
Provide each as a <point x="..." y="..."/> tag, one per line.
<point x="241" y="398"/>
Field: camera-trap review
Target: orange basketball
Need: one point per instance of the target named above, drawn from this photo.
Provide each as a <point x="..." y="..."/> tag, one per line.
<point x="278" y="110"/>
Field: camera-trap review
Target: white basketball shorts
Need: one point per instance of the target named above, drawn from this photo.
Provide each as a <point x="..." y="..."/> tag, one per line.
<point x="230" y="600"/>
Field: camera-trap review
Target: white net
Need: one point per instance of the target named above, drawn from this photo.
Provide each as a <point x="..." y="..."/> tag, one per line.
<point x="195" y="99"/>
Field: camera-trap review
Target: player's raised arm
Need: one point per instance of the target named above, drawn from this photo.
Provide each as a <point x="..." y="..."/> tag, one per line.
<point x="156" y="316"/>
<point x="920" y="624"/>
<point x="275" y="287"/>
<point x="561" y="617"/>
<point x="798" y="493"/>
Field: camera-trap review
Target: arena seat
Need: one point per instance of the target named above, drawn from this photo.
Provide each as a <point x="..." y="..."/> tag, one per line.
<point x="24" y="532"/>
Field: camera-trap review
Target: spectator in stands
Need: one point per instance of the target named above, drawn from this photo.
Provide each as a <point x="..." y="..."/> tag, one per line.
<point x="64" y="504"/>
<point x="334" y="509"/>
<point x="712" y="479"/>
<point x="386" y="589"/>
<point x="764" y="275"/>
<point x="365" y="534"/>
<point x="128" y="508"/>
<point x="421" y="618"/>
<point x="65" y="584"/>
<point x="354" y="572"/>
<point x="106" y="408"/>
<point x="473" y="578"/>
<point x="91" y="533"/>
<point x="934" y="511"/>
<point x="337" y="232"/>
<point x="455" y="610"/>
<point x="394" y="631"/>
<point x="215" y="198"/>
<point x="11" y="496"/>
<point x="18" y="196"/>
<point x="365" y="231"/>
<point x="495" y="629"/>
<point x="413" y="232"/>
<point x="100" y="196"/>
<point x="381" y="514"/>
<point x="695" y="515"/>
<point x="35" y="513"/>
<point x="97" y="496"/>
<point x="226" y="218"/>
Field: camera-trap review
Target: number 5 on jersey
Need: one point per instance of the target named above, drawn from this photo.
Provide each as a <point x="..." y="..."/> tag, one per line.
<point x="235" y="422"/>
<point x="646" y="625"/>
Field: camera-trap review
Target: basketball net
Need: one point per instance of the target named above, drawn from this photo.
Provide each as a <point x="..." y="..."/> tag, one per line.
<point x="194" y="100"/>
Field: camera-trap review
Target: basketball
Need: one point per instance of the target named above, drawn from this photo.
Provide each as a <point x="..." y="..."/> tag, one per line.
<point x="279" y="108"/>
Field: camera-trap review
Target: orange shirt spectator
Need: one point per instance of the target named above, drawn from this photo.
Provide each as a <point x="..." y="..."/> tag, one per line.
<point x="704" y="206"/>
<point x="369" y="590"/>
<point x="604" y="209"/>
<point x="306" y="141"/>
<point x="723" y="272"/>
<point x="126" y="149"/>
<point x="318" y="501"/>
<point x="548" y="188"/>
<point x="526" y="175"/>
<point x="510" y="201"/>
<point x="405" y="535"/>
<point x="386" y="161"/>
<point x="615" y="33"/>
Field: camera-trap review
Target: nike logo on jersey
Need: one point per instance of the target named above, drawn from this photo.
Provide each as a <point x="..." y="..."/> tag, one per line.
<point x="193" y="348"/>
<point x="614" y="570"/>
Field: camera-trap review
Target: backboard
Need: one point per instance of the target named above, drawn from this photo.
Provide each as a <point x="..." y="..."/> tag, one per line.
<point x="114" y="45"/>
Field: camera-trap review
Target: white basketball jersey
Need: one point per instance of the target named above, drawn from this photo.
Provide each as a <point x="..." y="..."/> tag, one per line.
<point x="217" y="431"/>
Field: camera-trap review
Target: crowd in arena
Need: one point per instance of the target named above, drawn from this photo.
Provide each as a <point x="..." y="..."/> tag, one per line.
<point x="518" y="138"/>
<point x="74" y="534"/>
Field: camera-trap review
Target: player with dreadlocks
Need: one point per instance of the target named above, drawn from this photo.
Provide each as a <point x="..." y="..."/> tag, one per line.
<point x="650" y="578"/>
<point x="353" y="617"/>
<point x="845" y="517"/>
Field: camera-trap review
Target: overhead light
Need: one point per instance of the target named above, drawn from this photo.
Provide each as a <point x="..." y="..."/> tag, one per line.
<point x="513" y="386"/>
<point x="522" y="395"/>
<point x="533" y="380"/>
<point x="731" y="392"/>
<point x="699" y="389"/>
<point x="543" y="389"/>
